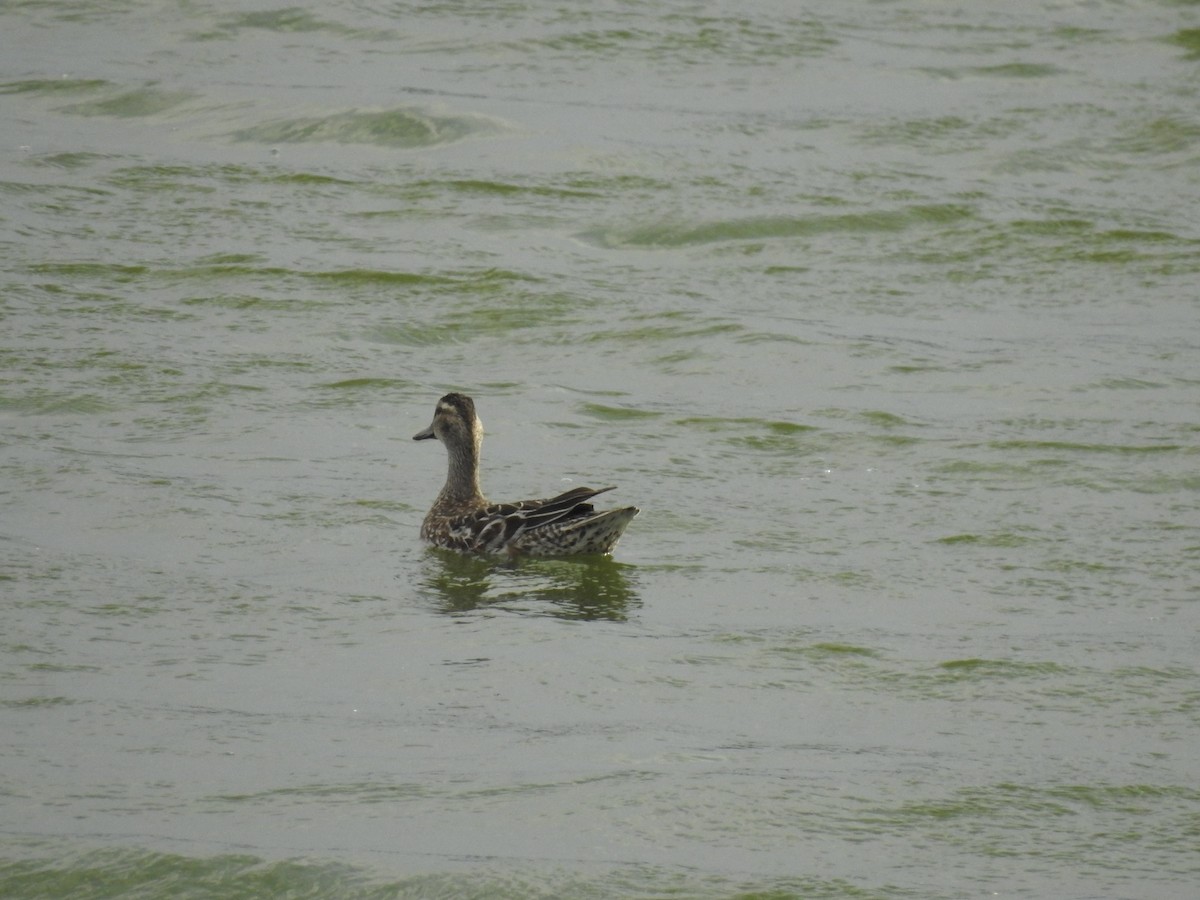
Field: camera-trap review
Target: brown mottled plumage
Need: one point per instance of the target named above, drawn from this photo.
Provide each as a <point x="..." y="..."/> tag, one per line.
<point x="463" y="519"/>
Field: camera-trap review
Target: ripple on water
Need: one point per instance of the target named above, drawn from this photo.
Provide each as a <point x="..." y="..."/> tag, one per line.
<point x="407" y="127"/>
<point x="669" y="233"/>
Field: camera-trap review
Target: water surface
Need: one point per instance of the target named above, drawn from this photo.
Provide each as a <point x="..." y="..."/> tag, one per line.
<point x="884" y="314"/>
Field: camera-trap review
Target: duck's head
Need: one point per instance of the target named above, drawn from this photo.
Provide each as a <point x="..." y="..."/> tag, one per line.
<point x="455" y="423"/>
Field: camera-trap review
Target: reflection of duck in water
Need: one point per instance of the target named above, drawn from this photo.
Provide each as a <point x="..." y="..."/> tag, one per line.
<point x="575" y="587"/>
<point x="462" y="518"/>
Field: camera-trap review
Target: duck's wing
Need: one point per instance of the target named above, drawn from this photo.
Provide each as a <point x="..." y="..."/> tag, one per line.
<point x="492" y="528"/>
<point x="567" y="504"/>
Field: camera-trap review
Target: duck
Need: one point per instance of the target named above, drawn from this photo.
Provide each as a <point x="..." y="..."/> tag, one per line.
<point x="463" y="519"/>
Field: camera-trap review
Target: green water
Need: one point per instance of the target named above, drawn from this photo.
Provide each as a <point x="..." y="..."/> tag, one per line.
<point x="885" y="316"/>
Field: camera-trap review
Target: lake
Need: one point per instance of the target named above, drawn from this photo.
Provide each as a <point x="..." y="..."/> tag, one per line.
<point x="884" y="314"/>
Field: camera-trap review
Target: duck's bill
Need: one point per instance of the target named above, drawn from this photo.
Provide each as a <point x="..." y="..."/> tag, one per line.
<point x="425" y="435"/>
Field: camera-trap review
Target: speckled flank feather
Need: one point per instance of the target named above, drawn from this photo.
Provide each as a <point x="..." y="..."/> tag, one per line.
<point x="463" y="519"/>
